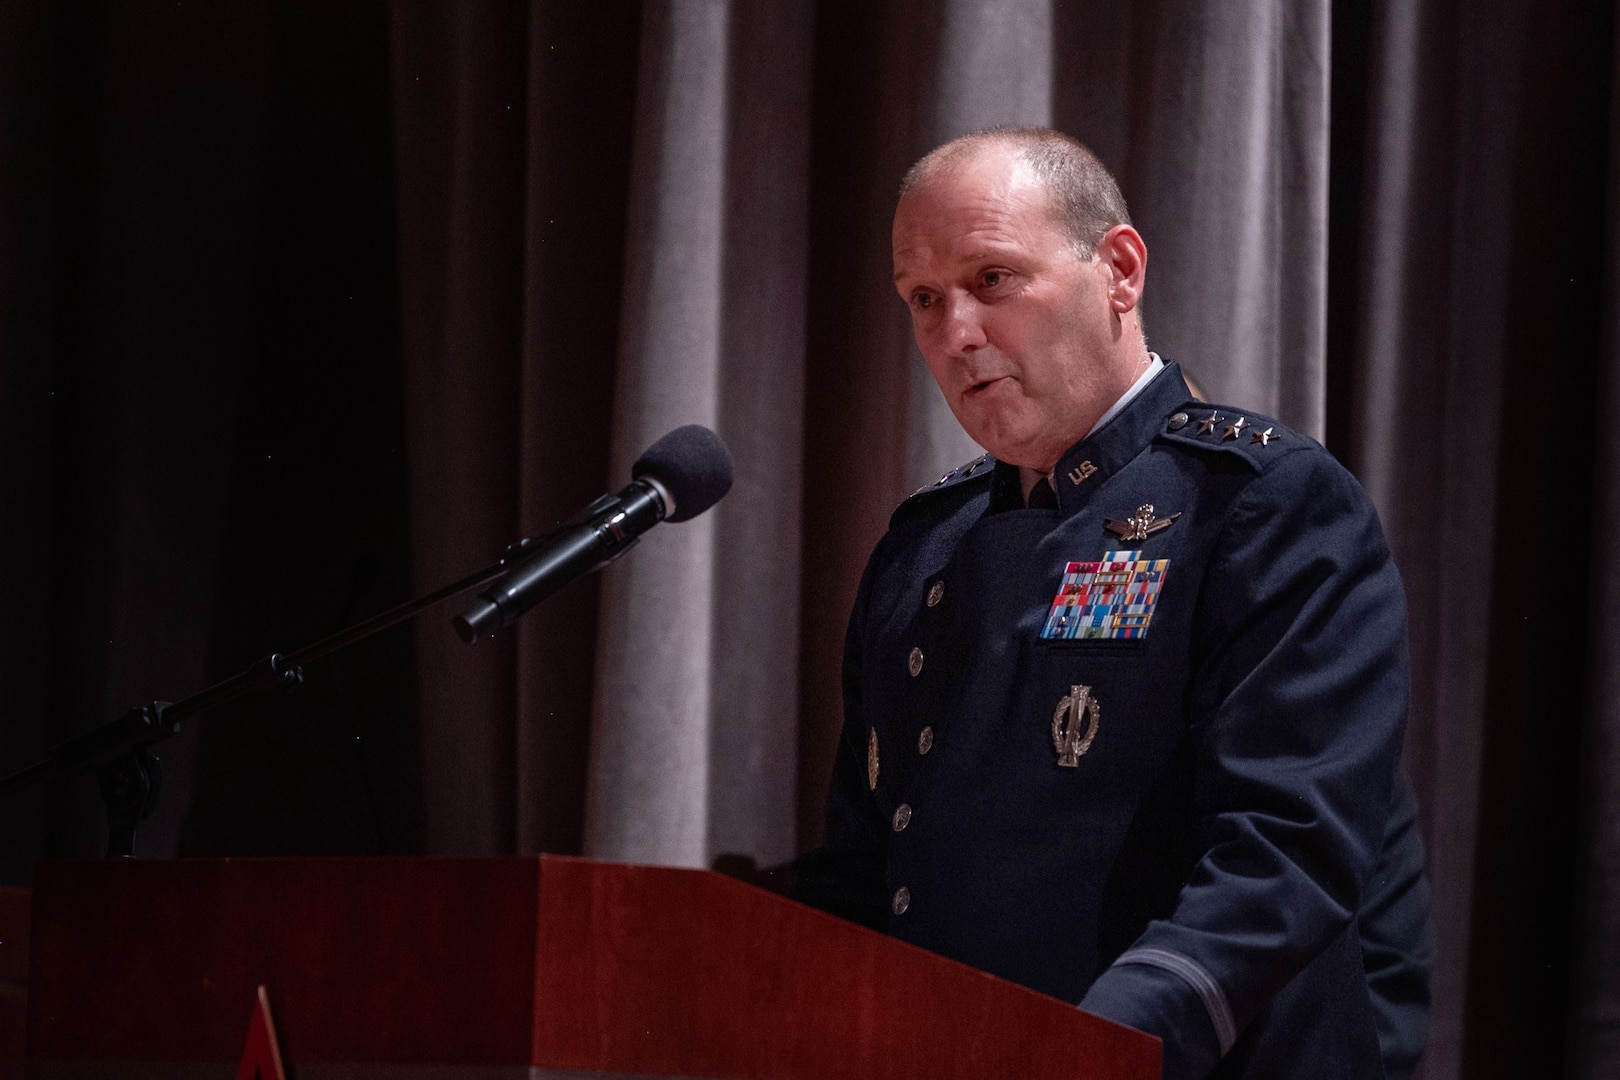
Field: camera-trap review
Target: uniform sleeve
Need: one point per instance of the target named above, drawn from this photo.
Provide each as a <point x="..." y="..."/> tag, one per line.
<point x="845" y="876"/>
<point x="1296" y="705"/>
<point x="1397" y="939"/>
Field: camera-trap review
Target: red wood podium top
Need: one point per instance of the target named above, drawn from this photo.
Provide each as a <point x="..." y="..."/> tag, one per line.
<point x="537" y="967"/>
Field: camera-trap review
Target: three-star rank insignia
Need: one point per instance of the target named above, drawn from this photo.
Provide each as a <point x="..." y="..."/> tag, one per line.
<point x="1234" y="429"/>
<point x="1074" y="725"/>
<point x="871" y="759"/>
<point x="1140" y="525"/>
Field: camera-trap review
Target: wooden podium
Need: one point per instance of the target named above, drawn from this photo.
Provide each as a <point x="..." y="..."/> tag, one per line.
<point x="539" y="968"/>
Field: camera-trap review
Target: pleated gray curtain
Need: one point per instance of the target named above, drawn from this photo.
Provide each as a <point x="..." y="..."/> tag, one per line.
<point x="1453" y="366"/>
<point x="696" y="707"/>
<point x="1429" y="359"/>
<point x="1226" y="170"/>
<point x="511" y="163"/>
<point x="462" y="225"/>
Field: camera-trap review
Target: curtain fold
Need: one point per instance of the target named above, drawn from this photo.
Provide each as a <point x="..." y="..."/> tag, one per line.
<point x="459" y="95"/>
<point x="649" y="763"/>
<point x="581" y="94"/>
<point x="1428" y="359"/>
<point x="1225" y="170"/>
<point x="695" y="706"/>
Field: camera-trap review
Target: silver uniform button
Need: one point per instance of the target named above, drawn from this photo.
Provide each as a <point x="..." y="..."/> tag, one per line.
<point x="902" y="817"/>
<point x="925" y="740"/>
<point x="1178" y="421"/>
<point x="936" y="593"/>
<point x="901" y="901"/>
<point x="914" y="663"/>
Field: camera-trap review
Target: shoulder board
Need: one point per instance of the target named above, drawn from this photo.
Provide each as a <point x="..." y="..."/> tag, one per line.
<point x="977" y="469"/>
<point x="1225" y="429"/>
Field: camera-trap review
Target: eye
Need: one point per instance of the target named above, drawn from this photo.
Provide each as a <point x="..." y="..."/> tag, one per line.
<point x="991" y="278"/>
<point x="922" y="301"/>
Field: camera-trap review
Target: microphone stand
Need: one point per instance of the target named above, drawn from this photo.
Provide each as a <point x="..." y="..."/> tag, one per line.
<point x="119" y="751"/>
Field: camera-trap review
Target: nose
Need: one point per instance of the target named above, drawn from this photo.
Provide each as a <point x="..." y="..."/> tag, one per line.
<point x="964" y="325"/>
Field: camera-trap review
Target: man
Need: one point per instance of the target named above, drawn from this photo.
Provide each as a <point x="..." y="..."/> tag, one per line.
<point x="1124" y="697"/>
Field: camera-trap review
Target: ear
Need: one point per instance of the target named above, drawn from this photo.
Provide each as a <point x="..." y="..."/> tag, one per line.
<point x="1124" y="257"/>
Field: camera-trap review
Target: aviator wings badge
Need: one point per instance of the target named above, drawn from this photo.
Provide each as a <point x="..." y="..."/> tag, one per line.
<point x="1074" y="725"/>
<point x="1140" y="525"/>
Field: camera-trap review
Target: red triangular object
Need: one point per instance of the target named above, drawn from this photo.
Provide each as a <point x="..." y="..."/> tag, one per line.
<point x="261" y="1056"/>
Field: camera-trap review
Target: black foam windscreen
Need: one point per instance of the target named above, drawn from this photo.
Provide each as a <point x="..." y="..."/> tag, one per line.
<point x="692" y="464"/>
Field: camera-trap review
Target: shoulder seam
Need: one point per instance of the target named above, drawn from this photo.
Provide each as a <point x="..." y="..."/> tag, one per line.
<point x="977" y="469"/>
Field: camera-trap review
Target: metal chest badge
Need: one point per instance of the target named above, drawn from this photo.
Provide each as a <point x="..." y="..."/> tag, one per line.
<point x="1110" y="599"/>
<point x="871" y="759"/>
<point x="1074" y="725"/>
<point x="1140" y="525"/>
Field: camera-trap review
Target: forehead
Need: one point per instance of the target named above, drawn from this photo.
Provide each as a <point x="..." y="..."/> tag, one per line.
<point x="992" y="202"/>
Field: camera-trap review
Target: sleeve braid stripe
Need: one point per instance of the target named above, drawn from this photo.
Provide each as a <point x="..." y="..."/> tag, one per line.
<point x="1202" y="982"/>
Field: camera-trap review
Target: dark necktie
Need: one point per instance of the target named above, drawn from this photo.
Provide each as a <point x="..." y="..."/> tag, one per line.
<point x="1041" y="496"/>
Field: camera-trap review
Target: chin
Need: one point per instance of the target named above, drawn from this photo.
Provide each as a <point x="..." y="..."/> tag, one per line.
<point x="995" y="435"/>
<point x="1026" y="452"/>
<point x="1012" y="451"/>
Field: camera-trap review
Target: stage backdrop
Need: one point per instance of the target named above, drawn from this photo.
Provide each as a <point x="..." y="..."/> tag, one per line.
<point x="307" y="307"/>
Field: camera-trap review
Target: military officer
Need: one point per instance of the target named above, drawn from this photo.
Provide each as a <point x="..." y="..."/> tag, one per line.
<point x="1124" y="697"/>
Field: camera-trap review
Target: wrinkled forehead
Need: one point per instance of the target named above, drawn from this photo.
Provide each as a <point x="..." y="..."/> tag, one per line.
<point x="988" y="192"/>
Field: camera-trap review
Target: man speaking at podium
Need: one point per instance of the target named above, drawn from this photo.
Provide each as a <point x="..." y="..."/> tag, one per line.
<point x="1124" y="697"/>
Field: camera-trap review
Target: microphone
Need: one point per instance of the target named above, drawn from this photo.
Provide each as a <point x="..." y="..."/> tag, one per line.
<point x="676" y="479"/>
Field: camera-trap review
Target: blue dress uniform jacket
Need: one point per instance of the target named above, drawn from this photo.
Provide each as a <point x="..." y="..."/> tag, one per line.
<point x="1197" y="870"/>
<point x="1397" y="938"/>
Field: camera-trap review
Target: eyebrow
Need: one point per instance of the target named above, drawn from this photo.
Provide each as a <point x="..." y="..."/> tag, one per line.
<point x="973" y="256"/>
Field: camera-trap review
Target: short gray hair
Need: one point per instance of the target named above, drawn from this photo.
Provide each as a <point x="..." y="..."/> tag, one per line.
<point x="1084" y="193"/>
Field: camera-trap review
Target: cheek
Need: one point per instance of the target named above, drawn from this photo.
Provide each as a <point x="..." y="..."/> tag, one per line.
<point x="925" y="332"/>
<point x="938" y="365"/>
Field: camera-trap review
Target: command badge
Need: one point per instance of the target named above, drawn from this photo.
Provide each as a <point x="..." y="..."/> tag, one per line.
<point x="1074" y="725"/>
<point x="1140" y="525"/>
<point x="1111" y="599"/>
<point x="871" y="759"/>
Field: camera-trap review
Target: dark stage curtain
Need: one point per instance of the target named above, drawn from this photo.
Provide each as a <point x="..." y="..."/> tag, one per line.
<point x="306" y="308"/>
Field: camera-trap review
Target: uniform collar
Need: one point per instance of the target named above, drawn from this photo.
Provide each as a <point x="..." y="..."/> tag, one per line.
<point x="1110" y="447"/>
<point x="1155" y="365"/>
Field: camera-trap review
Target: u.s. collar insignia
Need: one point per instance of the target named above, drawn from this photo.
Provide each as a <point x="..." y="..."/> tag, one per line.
<point x="871" y="759"/>
<point x="1140" y="525"/>
<point x="1082" y="472"/>
<point x="1074" y="725"/>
